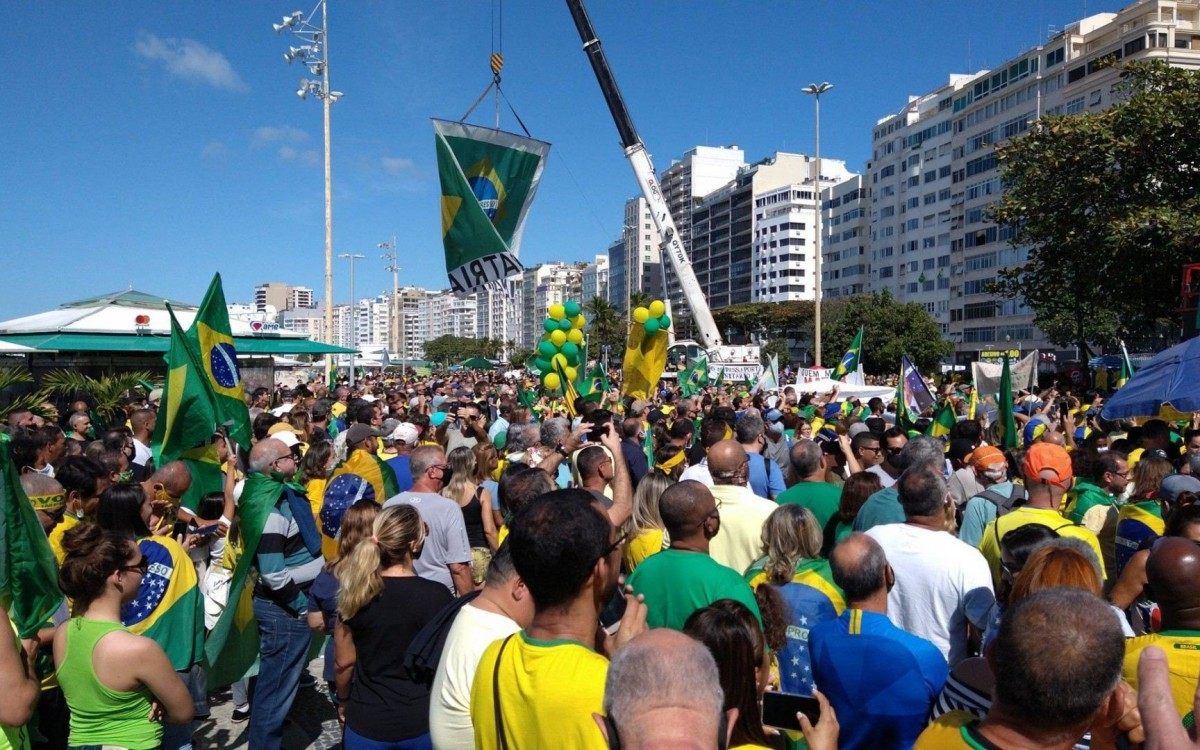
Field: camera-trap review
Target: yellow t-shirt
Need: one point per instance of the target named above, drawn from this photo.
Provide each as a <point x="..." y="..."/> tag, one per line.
<point x="645" y="544"/>
<point x="56" y="537"/>
<point x="946" y="733"/>
<point x="548" y="693"/>
<point x="1182" y="648"/>
<point x="315" y="491"/>
<point x="989" y="544"/>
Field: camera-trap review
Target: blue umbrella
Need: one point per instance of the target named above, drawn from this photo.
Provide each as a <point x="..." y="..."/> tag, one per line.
<point x="1170" y="377"/>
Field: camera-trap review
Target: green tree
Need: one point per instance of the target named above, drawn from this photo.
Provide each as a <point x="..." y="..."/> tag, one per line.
<point x="1108" y="204"/>
<point x="638" y="298"/>
<point x="449" y="350"/>
<point x="890" y="329"/>
<point x="605" y="327"/>
<point x="13" y="379"/>
<point x="108" y="392"/>
<point x="519" y="357"/>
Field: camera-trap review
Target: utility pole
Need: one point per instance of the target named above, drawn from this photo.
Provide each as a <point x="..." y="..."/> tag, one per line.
<point x="353" y="312"/>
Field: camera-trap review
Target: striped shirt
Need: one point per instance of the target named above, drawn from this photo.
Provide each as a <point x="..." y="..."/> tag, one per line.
<point x="957" y="695"/>
<point x="286" y="568"/>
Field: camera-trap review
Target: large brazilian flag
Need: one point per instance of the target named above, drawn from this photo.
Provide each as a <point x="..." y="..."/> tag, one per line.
<point x="488" y="178"/>
<point x="28" y="573"/>
<point x="212" y="338"/>
<point x="168" y="609"/>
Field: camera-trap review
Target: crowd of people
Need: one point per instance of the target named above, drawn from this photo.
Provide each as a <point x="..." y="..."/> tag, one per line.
<point x="483" y="567"/>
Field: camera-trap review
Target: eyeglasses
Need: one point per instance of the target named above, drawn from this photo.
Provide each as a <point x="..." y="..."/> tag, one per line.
<point x="714" y="513"/>
<point x="141" y="567"/>
<point x="865" y="448"/>
<point x="616" y="543"/>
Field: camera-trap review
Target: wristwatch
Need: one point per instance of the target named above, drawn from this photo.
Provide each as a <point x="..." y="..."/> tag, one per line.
<point x="562" y="451"/>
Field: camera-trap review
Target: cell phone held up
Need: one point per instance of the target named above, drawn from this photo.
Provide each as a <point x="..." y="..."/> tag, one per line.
<point x="779" y="710"/>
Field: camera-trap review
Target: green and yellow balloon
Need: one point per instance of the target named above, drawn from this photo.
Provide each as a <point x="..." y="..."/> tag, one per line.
<point x="562" y="343"/>
<point x="653" y="317"/>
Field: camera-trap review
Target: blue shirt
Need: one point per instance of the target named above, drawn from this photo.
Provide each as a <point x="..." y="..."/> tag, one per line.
<point x="881" y="508"/>
<point x="322" y="597"/>
<point x="880" y="680"/>
<point x="765" y="477"/>
<point x="403" y="471"/>
<point x="979" y="512"/>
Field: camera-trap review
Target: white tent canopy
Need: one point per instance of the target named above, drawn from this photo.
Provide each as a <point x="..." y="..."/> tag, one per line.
<point x="846" y="391"/>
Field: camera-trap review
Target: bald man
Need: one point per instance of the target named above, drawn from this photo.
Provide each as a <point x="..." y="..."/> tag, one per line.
<point x="1173" y="574"/>
<point x="684" y="578"/>
<point x="739" y="542"/>
<point x="864" y="662"/>
<point x="166" y="488"/>
<point x="142" y="422"/>
<point x="663" y="690"/>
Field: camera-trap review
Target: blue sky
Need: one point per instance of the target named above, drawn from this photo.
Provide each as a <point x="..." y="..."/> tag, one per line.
<point x="151" y="144"/>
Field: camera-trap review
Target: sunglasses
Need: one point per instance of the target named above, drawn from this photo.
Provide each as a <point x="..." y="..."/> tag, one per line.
<point x="616" y="543"/>
<point x="141" y="566"/>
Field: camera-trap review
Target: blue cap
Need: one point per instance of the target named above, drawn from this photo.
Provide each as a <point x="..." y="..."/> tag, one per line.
<point x="773" y="415"/>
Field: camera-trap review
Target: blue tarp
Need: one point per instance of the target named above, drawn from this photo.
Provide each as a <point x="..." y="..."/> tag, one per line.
<point x="1170" y="377"/>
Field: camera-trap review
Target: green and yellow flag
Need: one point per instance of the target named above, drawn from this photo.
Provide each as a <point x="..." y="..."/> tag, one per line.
<point x="28" y="573"/>
<point x="373" y="470"/>
<point x="645" y="360"/>
<point x="188" y="416"/>
<point x="1008" y="423"/>
<point x="595" y="385"/>
<point x="850" y="359"/>
<point x="232" y="646"/>
<point x="212" y="338"/>
<point x="168" y="608"/>
<point x="1126" y="367"/>
<point x="693" y="379"/>
<point x="943" y="421"/>
<point x="488" y="179"/>
<point x="570" y="395"/>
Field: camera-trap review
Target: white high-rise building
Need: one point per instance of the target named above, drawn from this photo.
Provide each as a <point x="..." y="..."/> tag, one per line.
<point x="542" y="286"/>
<point x="594" y="280"/>
<point x="498" y="312"/>
<point x="846" y="230"/>
<point x="446" y="314"/>
<point x="637" y="263"/>
<point x="308" y="321"/>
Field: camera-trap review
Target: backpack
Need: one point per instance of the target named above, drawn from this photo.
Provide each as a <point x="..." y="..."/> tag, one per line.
<point x="1004" y="504"/>
<point x="425" y="650"/>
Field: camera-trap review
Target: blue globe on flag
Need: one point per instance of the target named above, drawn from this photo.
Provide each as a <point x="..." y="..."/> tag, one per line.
<point x="486" y="193"/>
<point x="222" y="360"/>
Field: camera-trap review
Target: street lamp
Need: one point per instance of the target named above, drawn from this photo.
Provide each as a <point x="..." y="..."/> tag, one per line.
<point x="351" y="257"/>
<point x="816" y="89"/>
<point x="397" y="327"/>
<point x="314" y="54"/>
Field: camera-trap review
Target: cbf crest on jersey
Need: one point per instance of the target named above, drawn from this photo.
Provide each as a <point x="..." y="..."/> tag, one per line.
<point x="488" y="178"/>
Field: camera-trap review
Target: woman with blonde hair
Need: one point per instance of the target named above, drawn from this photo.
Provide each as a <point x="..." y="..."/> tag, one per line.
<point x="792" y="563"/>
<point x="647" y="532"/>
<point x="383" y="604"/>
<point x="1140" y="520"/>
<point x="357" y="522"/>
<point x="475" y="502"/>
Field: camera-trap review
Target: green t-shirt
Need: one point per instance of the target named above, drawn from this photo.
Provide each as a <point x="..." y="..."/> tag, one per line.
<point x="821" y="498"/>
<point x="676" y="583"/>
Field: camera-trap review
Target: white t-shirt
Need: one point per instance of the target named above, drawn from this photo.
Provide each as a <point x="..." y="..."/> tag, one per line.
<point x="885" y="479"/>
<point x="473" y="631"/>
<point x="941" y="584"/>
<point x="699" y="472"/>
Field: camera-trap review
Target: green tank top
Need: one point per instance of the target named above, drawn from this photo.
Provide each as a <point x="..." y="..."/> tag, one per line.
<point x="99" y="715"/>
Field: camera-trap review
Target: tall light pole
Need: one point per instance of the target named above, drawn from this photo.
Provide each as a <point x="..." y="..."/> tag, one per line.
<point x="397" y="327"/>
<point x="816" y="89"/>
<point x="314" y="54"/>
<point x="351" y="257"/>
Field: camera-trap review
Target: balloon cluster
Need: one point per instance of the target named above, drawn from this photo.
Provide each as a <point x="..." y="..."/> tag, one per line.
<point x="653" y="317"/>
<point x="562" y="343"/>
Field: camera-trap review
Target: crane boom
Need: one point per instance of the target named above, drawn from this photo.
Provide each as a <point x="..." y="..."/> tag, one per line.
<point x="643" y="169"/>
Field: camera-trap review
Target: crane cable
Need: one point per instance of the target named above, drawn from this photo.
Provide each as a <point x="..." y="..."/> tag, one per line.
<point x="496" y="65"/>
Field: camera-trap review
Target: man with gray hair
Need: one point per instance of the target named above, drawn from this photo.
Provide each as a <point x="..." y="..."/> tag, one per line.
<point x="765" y="477"/>
<point x="556" y="433"/>
<point x="880" y="680"/>
<point x="663" y="690"/>
<point x="884" y="506"/>
<point x="942" y="584"/>
<point x="811" y="491"/>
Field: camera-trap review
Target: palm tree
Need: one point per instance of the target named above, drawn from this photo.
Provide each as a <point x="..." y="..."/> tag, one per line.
<point x="604" y="327"/>
<point x="33" y="401"/>
<point x="638" y="298"/>
<point x="107" y="392"/>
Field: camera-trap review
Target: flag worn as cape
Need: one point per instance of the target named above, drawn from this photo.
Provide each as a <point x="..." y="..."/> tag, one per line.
<point x="28" y="573"/>
<point x="232" y="646"/>
<point x="645" y="360"/>
<point x="488" y="179"/>
<point x="371" y="468"/>
<point x="1008" y="423"/>
<point x="850" y="359"/>
<point x="168" y="608"/>
<point x="188" y="417"/>
<point x="570" y="395"/>
<point x="212" y="338"/>
<point x="695" y="377"/>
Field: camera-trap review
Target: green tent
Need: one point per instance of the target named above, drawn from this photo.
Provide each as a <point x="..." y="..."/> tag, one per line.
<point x="476" y="363"/>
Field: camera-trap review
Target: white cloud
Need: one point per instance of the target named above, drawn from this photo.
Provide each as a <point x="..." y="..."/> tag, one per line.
<point x="214" y="151"/>
<point x="398" y="165"/>
<point x="190" y="60"/>
<point x="305" y="156"/>
<point x="284" y="134"/>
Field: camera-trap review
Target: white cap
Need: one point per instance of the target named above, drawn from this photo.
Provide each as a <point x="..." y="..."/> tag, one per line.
<point x="368" y="398"/>
<point x="282" y="409"/>
<point x="406" y="432"/>
<point x="287" y="437"/>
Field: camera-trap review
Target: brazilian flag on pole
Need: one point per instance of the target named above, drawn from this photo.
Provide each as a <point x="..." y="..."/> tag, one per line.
<point x="188" y="417"/>
<point x="488" y="178"/>
<point x="596" y="384"/>
<point x="210" y="334"/>
<point x="28" y="574"/>
<point x="1126" y="367"/>
<point x="695" y="377"/>
<point x="850" y="359"/>
<point x="232" y="646"/>
<point x="943" y="421"/>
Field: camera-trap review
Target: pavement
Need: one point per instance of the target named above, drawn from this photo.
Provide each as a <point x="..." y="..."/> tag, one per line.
<point x="312" y="722"/>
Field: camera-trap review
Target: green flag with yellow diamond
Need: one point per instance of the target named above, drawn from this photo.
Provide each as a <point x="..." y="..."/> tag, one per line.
<point x="489" y="178"/>
<point x="212" y="338"/>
